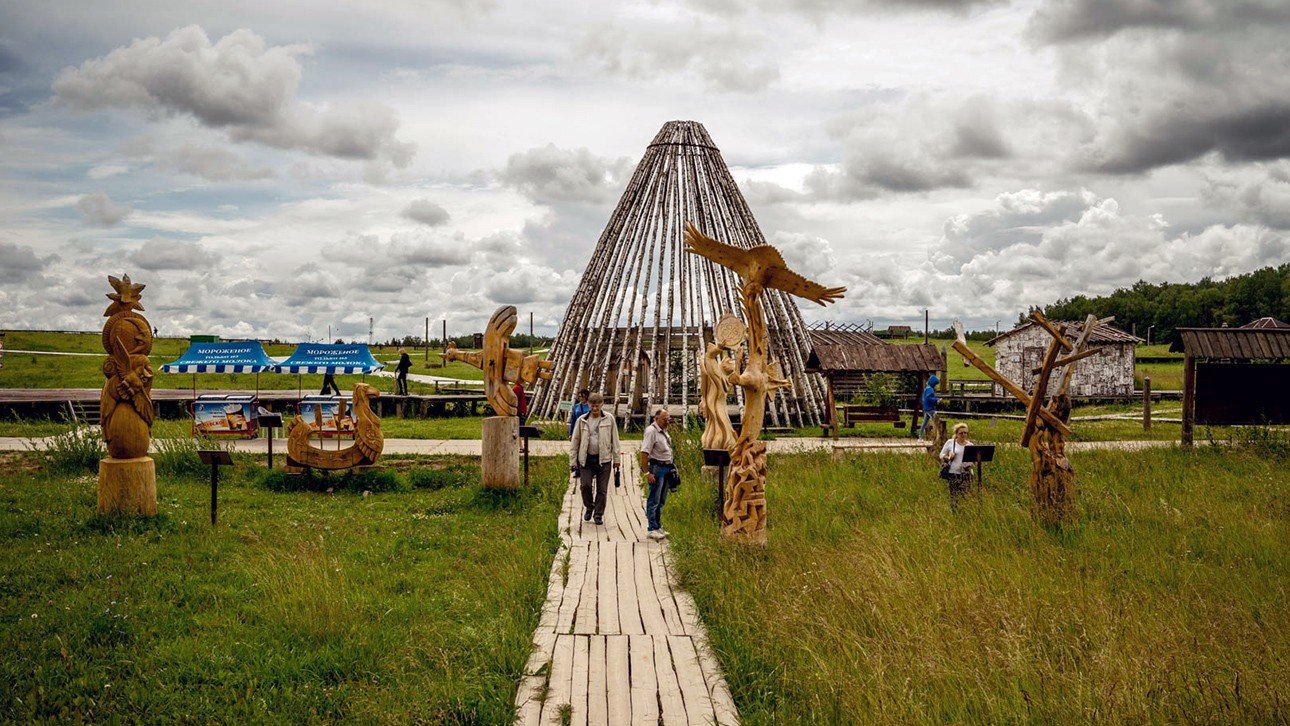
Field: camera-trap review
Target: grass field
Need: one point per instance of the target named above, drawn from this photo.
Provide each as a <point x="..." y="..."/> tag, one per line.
<point x="413" y="606"/>
<point x="1164" y="602"/>
<point x="23" y="370"/>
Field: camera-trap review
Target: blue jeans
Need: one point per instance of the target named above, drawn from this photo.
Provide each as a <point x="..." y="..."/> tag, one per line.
<point x="657" y="496"/>
<point x="927" y="421"/>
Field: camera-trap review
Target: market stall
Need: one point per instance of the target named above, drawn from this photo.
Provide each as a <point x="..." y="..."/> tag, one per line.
<point x="329" y="415"/>
<point x="223" y="414"/>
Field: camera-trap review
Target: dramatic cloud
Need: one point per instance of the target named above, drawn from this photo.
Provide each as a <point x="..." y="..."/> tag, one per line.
<point x="1261" y="194"/>
<point x="807" y="254"/>
<point x="18" y="263"/>
<point x="426" y="212"/>
<point x="214" y="164"/>
<point x="238" y="84"/>
<point x="722" y="59"/>
<point x="169" y="254"/>
<point x="1068" y="20"/>
<point x="551" y="175"/>
<point x="98" y="210"/>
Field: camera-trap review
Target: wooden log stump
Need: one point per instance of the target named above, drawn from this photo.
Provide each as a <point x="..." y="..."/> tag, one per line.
<point x="500" y="463"/>
<point x="128" y="487"/>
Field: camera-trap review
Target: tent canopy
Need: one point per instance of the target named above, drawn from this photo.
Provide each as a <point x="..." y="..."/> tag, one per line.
<point x="330" y="358"/>
<point x="243" y="356"/>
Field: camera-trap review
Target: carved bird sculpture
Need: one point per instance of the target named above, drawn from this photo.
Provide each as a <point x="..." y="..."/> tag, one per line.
<point x="762" y="266"/>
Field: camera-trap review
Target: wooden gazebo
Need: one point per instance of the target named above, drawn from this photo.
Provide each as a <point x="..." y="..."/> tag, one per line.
<point x="1234" y="376"/>
<point x="846" y="367"/>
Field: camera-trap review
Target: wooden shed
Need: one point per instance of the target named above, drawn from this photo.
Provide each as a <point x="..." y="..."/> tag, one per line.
<point x="1235" y="376"/>
<point x="846" y="367"/>
<point x="1020" y="351"/>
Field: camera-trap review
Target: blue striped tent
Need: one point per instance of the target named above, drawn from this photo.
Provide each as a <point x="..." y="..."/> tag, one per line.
<point x="243" y="356"/>
<point x="330" y="358"/>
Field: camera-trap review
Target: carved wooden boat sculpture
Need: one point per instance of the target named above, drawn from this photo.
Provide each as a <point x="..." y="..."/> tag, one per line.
<point x="368" y="439"/>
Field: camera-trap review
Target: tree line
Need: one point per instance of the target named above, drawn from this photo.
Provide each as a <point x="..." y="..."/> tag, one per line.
<point x="1167" y="306"/>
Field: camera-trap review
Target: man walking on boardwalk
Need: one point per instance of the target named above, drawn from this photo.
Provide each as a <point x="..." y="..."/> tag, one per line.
<point x="657" y="466"/>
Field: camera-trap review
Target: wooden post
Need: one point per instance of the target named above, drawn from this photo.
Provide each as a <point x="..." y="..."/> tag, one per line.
<point x="918" y="406"/>
<point x="1146" y="403"/>
<point x="1189" y="399"/>
<point x="426" y="341"/>
<point x="833" y="408"/>
<point x="444" y="364"/>
<point x="500" y="462"/>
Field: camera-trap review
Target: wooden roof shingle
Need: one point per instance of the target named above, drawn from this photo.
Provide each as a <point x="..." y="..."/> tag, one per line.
<point x="871" y="358"/>
<point x="1236" y="343"/>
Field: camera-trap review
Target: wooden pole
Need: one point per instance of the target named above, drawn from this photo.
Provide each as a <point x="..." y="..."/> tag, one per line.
<point x="444" y="364"/>
<point x="1146" y="403"/>
<point x="426" y="341"/>
<point x="1189" y="399"/>
<point x="833" y="408"/>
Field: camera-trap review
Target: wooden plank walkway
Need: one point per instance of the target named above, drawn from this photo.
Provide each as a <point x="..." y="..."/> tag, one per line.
<point x="618" y="642"/>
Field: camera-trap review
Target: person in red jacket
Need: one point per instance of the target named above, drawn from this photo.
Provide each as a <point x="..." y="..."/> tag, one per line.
<point x="522" y="403"/>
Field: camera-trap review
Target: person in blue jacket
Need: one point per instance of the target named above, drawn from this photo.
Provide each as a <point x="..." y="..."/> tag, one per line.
<point x="929" y="404"/>
<point x="580" y="408"/>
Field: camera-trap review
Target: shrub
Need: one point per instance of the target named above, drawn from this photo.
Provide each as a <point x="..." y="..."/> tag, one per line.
<point x="372" y="480"/>
<point x="77" y="451"/>
<point x="439" y="478"/>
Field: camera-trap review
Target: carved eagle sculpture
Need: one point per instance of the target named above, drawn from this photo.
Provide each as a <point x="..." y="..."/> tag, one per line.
<point x="762" y="265"/>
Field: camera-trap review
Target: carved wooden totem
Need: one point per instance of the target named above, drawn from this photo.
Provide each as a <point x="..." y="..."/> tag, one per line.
<point x="760" y="267"/>
<point x="503" y="366"/>
<point x="715" y="368"/>
<point x="127" y="478"/>
<point x="1052" y="477"/>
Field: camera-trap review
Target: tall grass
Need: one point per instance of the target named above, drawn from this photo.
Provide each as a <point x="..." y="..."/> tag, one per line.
<point x="1163" y="601"/>
<point x="75" y="451"/>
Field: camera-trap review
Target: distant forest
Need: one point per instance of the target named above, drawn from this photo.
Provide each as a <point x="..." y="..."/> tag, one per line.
<point x="1234" y="301"/>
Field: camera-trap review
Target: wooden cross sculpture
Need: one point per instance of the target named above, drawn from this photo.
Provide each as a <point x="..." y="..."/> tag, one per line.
<point x="1052" y="478"/>
<point x="502" y="365"/>
<point x="761" y="267"/>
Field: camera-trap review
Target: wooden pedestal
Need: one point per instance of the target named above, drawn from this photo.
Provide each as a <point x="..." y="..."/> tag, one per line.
<point x="500" y="463"/>
<point x="128" y="487"/>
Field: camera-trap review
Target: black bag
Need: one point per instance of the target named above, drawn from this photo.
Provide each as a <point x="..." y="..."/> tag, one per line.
<point x="617" y="479"/>
<point x="945" y="471"/>
<point x="673" y="479"/>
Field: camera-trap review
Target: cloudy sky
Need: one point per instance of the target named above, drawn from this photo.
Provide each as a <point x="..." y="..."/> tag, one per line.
<point x="272" y="168"/>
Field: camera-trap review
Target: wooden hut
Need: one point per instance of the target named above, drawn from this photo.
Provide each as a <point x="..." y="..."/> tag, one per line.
<point x="846" y="368"/>
<point x="1020" y="352"/>
<point x="1235" y="376"/>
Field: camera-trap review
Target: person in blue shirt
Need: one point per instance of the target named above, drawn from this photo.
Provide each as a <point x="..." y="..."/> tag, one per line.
<point x="929" y="404"/>
<point x="580" y="408"/>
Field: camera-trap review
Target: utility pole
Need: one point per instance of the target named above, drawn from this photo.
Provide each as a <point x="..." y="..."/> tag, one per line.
<point x="530" y="332"/>
<point x="926" y="326"/>
<point x="329" y="338"/>
<point x="445" y="343"/>
<point x="426" y="342"/>
<point x="369" y="330"/>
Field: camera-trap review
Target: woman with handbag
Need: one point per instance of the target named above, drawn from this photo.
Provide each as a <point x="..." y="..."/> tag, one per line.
<point x="594" y="449"/>
<point x="953" y="469"/>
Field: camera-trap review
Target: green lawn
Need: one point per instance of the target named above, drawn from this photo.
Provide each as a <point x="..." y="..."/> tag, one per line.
<point x="297" y="607"/>
<point x="1164" y="602"/>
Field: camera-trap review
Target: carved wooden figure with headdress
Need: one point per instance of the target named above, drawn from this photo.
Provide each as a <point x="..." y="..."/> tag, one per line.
<point x="127" y="478"/>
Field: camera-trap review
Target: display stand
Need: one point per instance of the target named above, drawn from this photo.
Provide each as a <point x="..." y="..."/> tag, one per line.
<point x="978" y="455"/>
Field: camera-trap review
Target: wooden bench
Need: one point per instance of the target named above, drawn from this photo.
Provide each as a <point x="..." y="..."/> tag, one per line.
<point x="853" y="414"/>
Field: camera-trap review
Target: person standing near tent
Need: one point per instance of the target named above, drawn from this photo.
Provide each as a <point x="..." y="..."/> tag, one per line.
<point x="581" y="408"/>
<point x="929" y="404"/>
<point x="329" y="385"/>
<point x="401" y="370"/>
<point x="521" y="403"/>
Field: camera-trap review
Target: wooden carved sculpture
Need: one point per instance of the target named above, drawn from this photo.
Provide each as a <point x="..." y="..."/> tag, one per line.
<point x="127" y="478"/>
<point x="503" y="367"/>
<point x="368" y="444"/>
<point x="715" y="369"/>
<point x="761" y="267"/>
<point x="1052" y="478"/>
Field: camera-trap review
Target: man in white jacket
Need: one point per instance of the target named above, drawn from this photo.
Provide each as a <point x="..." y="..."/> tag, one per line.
<point x="594" y="448"/>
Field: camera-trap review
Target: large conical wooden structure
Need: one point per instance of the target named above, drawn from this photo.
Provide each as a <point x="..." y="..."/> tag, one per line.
<point x="645" y="308"/>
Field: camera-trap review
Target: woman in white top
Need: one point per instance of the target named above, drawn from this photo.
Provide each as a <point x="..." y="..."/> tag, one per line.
<point x="594" y="449"/>
<point x="960" y="475"/>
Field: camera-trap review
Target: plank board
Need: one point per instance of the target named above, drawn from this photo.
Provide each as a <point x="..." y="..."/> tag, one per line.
<point x="607" y="589"/>
<point x="578" y="689"/>
<point x="669" y="688"/>
<point x="644" y="682"/>
<point x="597" y="674"/>
<point x="585" y="621"/>
<point x="618" y="679"/>
<point x="560" y="684"/>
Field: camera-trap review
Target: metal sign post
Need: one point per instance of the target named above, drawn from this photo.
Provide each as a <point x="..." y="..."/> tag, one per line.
<point x="215" y="458"/>
<point x="527" y="432"/>
<point x="270" y="421"/>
